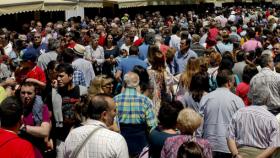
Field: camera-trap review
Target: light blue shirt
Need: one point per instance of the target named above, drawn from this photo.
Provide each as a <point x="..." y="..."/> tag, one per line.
<point x="217" y="109"/>
<point x="143" y="51"/>
<point x="181" y="60"/>
<point x="127" y="64"/>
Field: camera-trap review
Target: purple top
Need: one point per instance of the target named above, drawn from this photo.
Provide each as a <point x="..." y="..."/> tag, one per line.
<point x="29" y="120"/>
<point x="172" y="145"/>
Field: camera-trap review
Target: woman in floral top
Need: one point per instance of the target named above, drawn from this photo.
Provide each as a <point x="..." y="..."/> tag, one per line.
<point x="188" y="121"/>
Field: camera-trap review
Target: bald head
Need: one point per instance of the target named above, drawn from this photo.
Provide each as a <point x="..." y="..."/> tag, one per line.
<point x="131" y="79"/>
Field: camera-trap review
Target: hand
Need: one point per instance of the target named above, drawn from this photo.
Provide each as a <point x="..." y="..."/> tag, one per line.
<point x="54" y="83"/>
<point x="31" y="80"/>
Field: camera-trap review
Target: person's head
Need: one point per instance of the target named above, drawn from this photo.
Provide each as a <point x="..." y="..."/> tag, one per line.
<point x="29" y="58"/>
<point x="102" y="107"/>
<point x="188" y="121"/>
<point x="64" y="75"/>
<point x="240" y="56"/>
<point x="156" y="58"/>
<point x="190" y="149"/>
<point x="94" y="40"/>
<point x="276" y="48"/>
<point x="27" y="94"/>
<point x="225" y="78"/>
<point x="170" y="53"/>
<point x="68" y="55"/>
<point x="266" y="61"/>
<point x="69" y="36"/>
<point x="101" y="84"/>
<point x="37" y="38"/>
<point x="133" y="50"/>
<point x="131" y="80"/>
<point x="251" y="33"/>
<point x="11" y="113"/>
<point x="144" y="77"/>
<point x="149" y="38"/>
<point x="195" y="38"/>
<point x="51" y="73"/>
<point x="53" y="44"/>
<point x="192" y="68"/>
<point x="38" y="27"/>
<point x="184" y="45"/>
<point x="226" y="63"/>
<point x="249" y="72"/>
<point x="199" y="85"/>
<point x="109" y="40"/>
<point x="168" y="114"/>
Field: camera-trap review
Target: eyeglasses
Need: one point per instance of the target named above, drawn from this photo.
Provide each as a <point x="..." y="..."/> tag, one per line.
<point x="37" y="37"/>
<point x="275" y="48"/>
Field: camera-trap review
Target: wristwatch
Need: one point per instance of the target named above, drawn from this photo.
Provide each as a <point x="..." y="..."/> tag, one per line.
<point x="235" y="155"/>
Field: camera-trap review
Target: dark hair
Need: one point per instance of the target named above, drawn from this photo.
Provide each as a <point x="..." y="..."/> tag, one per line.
<point x="51" y="65"/>
<point x="168" y="113"/>
<point x="223" y="77"/>
<point x="190" y="149"/>
<point x="144" y="77"/>
<point x="97" y="105"/>
<point x="251" y="33"/>
<point x="156" y="58"/>
<point x="133" y="50"/>
<point x="199" y="85"/>
<point x="67" y="68"/>
<point x="240" y="56"/>
<point x="226" y="63"/>
<point x="10" y="111"/>
<point x="249" y="72"/>
<point x="68" y="55"/>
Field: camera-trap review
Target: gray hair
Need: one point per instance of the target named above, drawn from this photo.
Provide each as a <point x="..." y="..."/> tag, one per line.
<point x="53" y="44"/>
<point x="131" y="79"/>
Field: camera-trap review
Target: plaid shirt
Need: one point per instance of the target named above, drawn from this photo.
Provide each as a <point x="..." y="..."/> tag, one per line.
<point x="79" y="78"/>
<point x="134" y="108"/>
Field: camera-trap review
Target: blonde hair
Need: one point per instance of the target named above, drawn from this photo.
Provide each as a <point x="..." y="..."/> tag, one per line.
<point x="188" y="121"/>
<point x="192" y="68"/>
<point x="97" y="83"/>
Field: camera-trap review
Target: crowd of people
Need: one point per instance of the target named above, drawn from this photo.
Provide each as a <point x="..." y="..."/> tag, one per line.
<point x="180" y="86"/>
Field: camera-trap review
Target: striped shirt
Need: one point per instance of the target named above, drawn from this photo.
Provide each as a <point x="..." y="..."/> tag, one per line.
<point x="134" y="108"/>
<point x="254" y="126"/>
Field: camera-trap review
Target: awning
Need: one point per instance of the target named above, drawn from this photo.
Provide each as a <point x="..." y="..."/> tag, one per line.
<point x="19" y="6"/>
<point x="172" y="2"/>
<point x="91" y="3"/>
<point x="58" y="5"/>
<point x="128" y="3"/>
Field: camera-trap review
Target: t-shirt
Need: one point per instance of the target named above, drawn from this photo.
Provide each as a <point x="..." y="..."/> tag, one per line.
<point x="12" y="146"/>
<point x="242" y="91"/>
<point x="37" y="73"/>
<point x="69" y="99"/>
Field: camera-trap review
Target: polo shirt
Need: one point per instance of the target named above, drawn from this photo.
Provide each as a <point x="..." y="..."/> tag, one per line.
<point x="12" y="146"/>
<point x="128" y="64"/>
<point x="181" y="60"/>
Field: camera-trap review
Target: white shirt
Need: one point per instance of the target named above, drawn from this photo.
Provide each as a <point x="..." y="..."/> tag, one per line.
<point x="97" y="54"/>
<point x="102" y="144"/>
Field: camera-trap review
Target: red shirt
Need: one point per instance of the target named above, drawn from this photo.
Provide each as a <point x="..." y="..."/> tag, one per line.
<point x="242" y="90"/>
<point x="12" y="146"/>
<point x="101" y="40"/>
<point x="37" y="73"/>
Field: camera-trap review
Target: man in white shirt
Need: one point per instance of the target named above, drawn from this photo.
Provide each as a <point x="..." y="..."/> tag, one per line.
<point x="102" y="142"/>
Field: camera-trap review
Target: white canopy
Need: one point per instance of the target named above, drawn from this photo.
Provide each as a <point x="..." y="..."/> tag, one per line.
<point x="58" y="5"/>
<point x="19" y="6"/>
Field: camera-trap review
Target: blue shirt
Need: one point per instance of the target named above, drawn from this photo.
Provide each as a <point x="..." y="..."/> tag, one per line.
<point x="181" y="60"/>
<point x="43" y="48"/>
<point x="127" y="64"/>
<point x="143" y="51"/>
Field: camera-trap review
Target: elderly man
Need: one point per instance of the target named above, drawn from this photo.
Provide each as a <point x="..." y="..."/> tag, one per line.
<point x="248" y="136"/>
<point x="37" y="44"/>
<point x="44" y="59"/>
<point x="135" y="115"/>
<point x="36" y="122"/>
<point x="217" y="108"/>
<point x="100" y="113"/>
<point x="266" y="79"/>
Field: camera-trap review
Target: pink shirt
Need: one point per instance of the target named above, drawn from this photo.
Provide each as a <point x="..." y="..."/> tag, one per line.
<point x="29" y="120"/>
<point x="251" y="45"/>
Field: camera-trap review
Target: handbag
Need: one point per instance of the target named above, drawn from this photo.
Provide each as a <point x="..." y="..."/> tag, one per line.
<point x="77" y="151"/>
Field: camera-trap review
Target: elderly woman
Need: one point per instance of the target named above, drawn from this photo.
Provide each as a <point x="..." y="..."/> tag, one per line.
<point x="187" y="122"/>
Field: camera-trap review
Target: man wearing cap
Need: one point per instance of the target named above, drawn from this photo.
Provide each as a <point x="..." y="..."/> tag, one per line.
<point x="135" y="114"/>
<point x="83" y="65"/>
<point x="34" y="73"/>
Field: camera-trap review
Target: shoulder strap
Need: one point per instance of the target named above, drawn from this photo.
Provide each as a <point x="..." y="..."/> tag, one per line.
<point x="217" y="48"/>
<point x="79" y="148"/>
